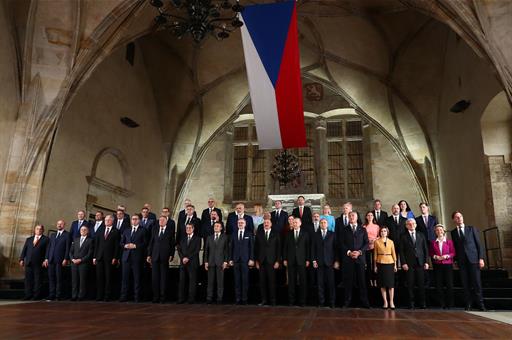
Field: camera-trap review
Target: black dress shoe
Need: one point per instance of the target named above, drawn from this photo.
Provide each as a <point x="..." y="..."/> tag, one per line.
<point x="244" y="303"/>
<point x="180" y="302"/>
<point x="423" y="307"/>
<point x="262" y="303"/>
<point x="27" y="298"/>
<point x="123" y="299"/>
<point x="468" y="307"/>
<point x="273" y="303"/>
<point x="332" y="305"/>
<point x="155" y="301"/>
<point x="74" y="299"/>
<point x="411" y="306"/>
<point x="209" y="302"/>
<point x="482" y="308"/>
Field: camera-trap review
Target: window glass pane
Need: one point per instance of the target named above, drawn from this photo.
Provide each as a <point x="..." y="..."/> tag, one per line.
<point x="354" y="128"/>
<point x="336" y="173"/>
<point x="334" y="129"/>
<point x="258" y="175"/>
<point x="241" y="134"/>
<point x="239" y="172"/>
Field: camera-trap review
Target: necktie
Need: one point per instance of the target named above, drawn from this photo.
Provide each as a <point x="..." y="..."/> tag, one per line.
<point x="413" y="237"/>
<point x="266" y="234"/>
<point x="461" y="233"/>
<point x="81" y="241"/>
<point x="119" y="224"/>
<point x="107" y="231"/>
<point x="216" y="237"/>
<point x="354" y="229"/>
<point x="58" y="235"/>
<point x="396" y="219"/>
<point x="300" y="211"/>
<point x="277" y="214"/>
<point x="188" y="221"/>
<point x="144" y="221"/>
<point x="323" y="235"/>
<point x="425" y="220"/>
<point x="345" y="222"/>
<point x="240" y="235"/>
<point x="36" y="239"/>
<point x="377" y="214"/>
<point x="133" y="231"/>
<point x="161" y="232"/>
<point x="316" y="227"/>
<point x="296" y="235"/>
<point x="188" y="240"/>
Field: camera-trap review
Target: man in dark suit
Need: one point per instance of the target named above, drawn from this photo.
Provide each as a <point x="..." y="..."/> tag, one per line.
<point x="207" y="225"/>
<point x="242" y="257"/>
<point x="134" y="243"/>
<point x="106" y="256"/>
<point x="151" y="215"/>
<point x="303" y="212"/>
<point x="396" y="225"/>
<point x="325" y="260"/>
<point x="188" y="249"/>
<point x="80" y="254"/>
<point x="234" y="216"/>
<point x="344" y="220"/>
<point x="426" y="222"/>
<point x="57" y="257"/>
<point x="380" y="215"/>
<point x="32" y="258"/>
<point x="296" y="257"/>
<point x="413" y="256"/>
<point x="96" y="224"/>
<point x="147" y="222"/>
<point x="190" y="217"/>
<point x="211" y="207"/>
<point x="160" y="253"/>
<point x="267" y="253"/>
<point x="183" y="213"/>
<point x="354" y="244"/>
<point x="121" y="221"/>
<point x="279" y="217"/>
<point x="77" y="224"/>
<point x="469" y="257"/>
<point x="216" y="255"/>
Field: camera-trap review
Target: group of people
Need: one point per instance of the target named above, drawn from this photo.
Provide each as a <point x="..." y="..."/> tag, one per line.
<point x="310" y="246"/>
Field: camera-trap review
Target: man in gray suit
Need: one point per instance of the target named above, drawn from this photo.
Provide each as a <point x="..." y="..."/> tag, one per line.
<point x="81" y="256"/>
<point x="216" y="256"/>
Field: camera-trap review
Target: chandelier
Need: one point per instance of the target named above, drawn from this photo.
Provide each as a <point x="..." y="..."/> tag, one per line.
<point x="286" y="168"/>
<point x="198" y="17"/>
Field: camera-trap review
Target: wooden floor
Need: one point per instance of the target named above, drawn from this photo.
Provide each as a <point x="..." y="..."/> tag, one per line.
<point x="90" y="320"/>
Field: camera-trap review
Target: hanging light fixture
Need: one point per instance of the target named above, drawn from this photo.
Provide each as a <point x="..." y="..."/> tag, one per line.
<point x="198" y="17"/>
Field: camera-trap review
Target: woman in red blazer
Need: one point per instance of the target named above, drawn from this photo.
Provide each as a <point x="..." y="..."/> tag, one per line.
<point x="442" y="252"/>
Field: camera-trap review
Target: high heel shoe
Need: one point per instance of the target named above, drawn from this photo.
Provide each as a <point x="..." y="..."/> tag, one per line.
<point x="392" y="307"/>
<point x="385" y="307"/>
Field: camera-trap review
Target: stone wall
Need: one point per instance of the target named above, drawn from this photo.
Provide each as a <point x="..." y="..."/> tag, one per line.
<point x="91" y="124"/>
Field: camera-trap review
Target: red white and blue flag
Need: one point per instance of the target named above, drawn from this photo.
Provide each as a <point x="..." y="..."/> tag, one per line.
<point x="271" y="49"/>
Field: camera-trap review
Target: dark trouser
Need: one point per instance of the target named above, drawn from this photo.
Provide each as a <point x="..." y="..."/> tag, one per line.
<point x="104" y="279"/>
<point x="187" y="273"/>
<point x="444" y="277"/>
<point x="470" y="277"/>
<point x="241" y="281"/>
<point x="55" y="279"/>
<point x="215" y="277"/>
<point x="325" y="275"/>
<point x="416" y="274"/>
<point x="132" y="267"/>
<point x="295" y="270"/>
<point x="159" y="275"/>
<point x="353" y="270"/>
<point x="268" y="282"/>
<point x="79" y="280"/>
<point x="33" y="280"/>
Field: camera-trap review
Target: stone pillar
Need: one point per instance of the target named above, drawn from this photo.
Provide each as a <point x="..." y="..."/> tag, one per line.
<point x="322" y="155"/>
<point x="228" y="167"/>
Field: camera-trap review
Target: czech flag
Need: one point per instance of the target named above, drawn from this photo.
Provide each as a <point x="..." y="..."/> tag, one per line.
<point x="271" y="49"/>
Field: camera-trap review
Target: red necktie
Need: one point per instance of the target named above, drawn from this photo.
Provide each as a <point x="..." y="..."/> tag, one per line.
<point x="300" y="212"/>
